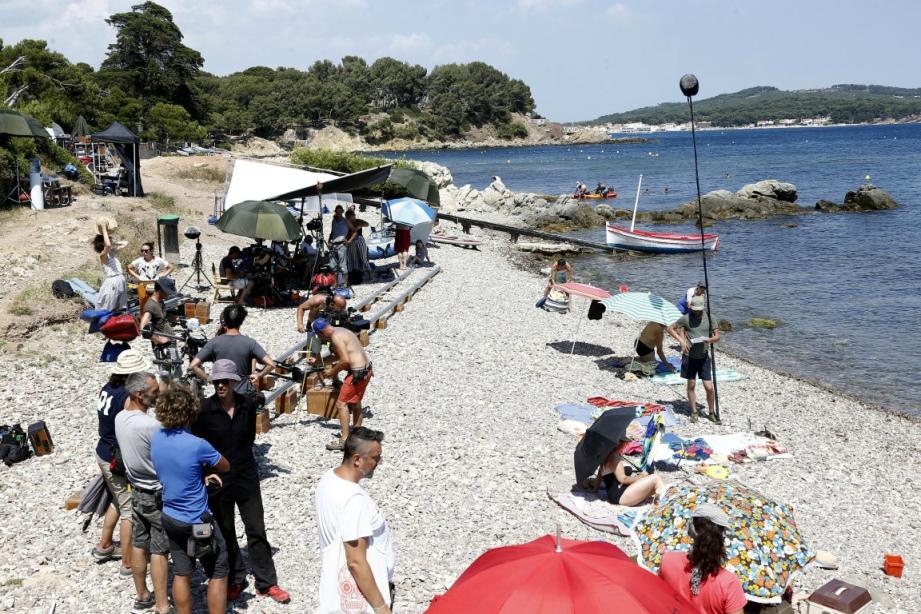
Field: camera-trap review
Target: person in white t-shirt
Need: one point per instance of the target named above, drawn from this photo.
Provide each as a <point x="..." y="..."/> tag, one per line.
<point x="356" y="575"/>
<point x="149" y="267"/>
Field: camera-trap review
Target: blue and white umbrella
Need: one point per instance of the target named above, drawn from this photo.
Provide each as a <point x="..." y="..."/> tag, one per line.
<point x="643" y="306"/>
<point x="411" y="212"/>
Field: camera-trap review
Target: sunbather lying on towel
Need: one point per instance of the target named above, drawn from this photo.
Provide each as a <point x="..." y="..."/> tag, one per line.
<point x="623" y="485"/>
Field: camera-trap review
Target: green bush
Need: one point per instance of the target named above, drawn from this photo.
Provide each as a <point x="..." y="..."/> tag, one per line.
<point x="340" y="161"/>
<point x="512" y="130"/>
<point x="406" y="131"/>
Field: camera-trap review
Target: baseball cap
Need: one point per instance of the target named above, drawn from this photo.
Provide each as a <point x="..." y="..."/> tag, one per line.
<point x="712" y="513"/>
<point x="697" y="303"/>
<point x="166" y="285"/>
<point x="319" y="324"/>
<point x="224" y="369"/>
<point x="131" y="361"/>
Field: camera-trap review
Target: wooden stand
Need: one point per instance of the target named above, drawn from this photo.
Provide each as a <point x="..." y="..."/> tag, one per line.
<point x="262" y="422"/>
<point x="322" y="401"/>
<point x="364" y="339"/>
<point x="286" y="403"/>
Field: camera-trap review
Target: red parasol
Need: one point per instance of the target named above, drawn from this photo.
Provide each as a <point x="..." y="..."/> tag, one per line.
<point x="556" y="576"/>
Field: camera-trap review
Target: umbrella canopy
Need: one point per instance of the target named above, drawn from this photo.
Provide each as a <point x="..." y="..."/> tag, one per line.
<point x="259" y="219"/>
<point x="601" y="437"/>
<point x="411" y="212"/>
<point x="80" y="127"/>
<point x="417" y="184"/>
<point x="14" y="123"/>
<point x="764" y="547"/>
<point x="547" y="576"/>
<point x="345" y="183"/>
<point x="643" y="306"/>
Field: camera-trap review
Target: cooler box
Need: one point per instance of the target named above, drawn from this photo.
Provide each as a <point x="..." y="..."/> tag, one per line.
<point x="838" y="597"/>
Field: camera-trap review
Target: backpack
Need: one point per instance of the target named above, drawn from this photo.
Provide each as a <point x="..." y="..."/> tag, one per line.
<point x="14" y="446"/>
<point x="62" y="289"/>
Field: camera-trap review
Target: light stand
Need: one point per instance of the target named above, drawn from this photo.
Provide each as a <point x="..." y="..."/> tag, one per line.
<point x="197" y="262"/>
<point x="689" y="87"/>
<point x="17" y="191"/>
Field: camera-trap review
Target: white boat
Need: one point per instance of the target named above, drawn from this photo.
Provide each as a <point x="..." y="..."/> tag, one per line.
<point x="619" y="237"/>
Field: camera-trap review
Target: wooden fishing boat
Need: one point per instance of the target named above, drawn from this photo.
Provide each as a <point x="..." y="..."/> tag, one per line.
<point x="619" y="237"/>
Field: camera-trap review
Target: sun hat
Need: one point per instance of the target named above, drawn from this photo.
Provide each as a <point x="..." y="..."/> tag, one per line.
<point x="224" y="369"/>
<point x="166" y="285"/>
<point x="696" y="303"/>
<point x="319" y="324"/>
<point x="712" y="513"/>
<point x="131" y="361"/>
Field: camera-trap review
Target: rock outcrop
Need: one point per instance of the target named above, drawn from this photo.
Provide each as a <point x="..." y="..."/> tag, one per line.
<point x="865" y="198"/>
<point x="756" y="201"/>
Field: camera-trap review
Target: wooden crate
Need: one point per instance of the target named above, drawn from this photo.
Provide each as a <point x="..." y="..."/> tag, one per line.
<point x="287" y="402"/>
<point x="322" y="401"/>
<point x="263" y="423"/>
<point x="363" y="338"/>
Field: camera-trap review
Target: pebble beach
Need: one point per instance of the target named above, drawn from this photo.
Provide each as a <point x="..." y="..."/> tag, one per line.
<point x="466" y="377"/>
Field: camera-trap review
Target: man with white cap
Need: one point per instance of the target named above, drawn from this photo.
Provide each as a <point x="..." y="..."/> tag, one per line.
<point x="228" y="422"/>
<point x="698" y="576"/>
<point x="695" y="334"/>
<point x="110" y="402"/>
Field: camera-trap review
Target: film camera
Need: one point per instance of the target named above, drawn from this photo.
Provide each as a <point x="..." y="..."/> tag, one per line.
<point x="347" y="318"/>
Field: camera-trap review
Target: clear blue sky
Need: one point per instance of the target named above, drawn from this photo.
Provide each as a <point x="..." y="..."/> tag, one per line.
<point x="582" y="58"/>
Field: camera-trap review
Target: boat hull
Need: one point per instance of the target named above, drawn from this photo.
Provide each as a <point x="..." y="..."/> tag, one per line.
<point x="610" y="194"/>
<point x="622" y="238"/>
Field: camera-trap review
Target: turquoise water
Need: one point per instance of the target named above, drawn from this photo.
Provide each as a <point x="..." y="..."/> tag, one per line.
<point x="845" y="287"/>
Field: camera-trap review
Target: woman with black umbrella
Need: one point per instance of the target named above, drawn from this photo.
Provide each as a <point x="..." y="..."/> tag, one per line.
<point x="622" y="485"/>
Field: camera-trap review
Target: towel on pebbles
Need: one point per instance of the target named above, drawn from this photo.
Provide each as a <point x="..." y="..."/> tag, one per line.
<point x="593" y="510"/>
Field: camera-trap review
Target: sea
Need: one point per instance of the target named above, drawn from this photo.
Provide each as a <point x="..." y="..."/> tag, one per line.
<point x="844" y="288"/>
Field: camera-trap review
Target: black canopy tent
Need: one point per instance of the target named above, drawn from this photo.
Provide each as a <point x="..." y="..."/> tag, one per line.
<point x="126" y="144"/>
<point x="346" y="183"/>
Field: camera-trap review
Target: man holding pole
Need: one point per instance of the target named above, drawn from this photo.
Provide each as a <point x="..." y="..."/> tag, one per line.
<point x="695" y="334"/>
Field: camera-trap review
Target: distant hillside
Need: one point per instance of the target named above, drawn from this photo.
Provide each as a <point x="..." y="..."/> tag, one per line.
<point x="844" y="104"/>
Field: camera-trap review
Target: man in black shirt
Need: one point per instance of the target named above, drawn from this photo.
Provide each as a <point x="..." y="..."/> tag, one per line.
<point x="232" y="269"/>
<point x="228" y="422"/>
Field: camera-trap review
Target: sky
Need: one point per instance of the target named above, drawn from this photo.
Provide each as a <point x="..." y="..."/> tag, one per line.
<point x="581" y="58"/>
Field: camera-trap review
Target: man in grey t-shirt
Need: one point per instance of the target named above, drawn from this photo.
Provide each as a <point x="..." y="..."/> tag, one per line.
<point x="238" y="348"/>
<point x="134" y="428"/>
<point x="695" y="334"/>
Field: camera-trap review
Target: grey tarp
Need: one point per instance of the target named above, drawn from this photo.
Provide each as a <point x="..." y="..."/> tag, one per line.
<point x="346" y="183"/>
<point x="126" y="144"/>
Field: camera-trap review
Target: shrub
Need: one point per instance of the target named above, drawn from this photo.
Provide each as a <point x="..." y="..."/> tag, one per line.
<point x="512" y="130"/>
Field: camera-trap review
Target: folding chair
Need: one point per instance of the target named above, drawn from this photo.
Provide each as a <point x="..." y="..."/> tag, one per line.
<point x="222" y="285"/>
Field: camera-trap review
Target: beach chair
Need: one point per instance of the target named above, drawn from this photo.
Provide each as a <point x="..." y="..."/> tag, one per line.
<point x="224" y="292"/>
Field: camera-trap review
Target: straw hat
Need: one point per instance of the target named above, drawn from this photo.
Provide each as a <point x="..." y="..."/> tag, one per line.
<point x="107" y="222"/>
<point x="131" y="361"/>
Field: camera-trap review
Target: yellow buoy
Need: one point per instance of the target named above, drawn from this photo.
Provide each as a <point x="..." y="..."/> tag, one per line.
<point x="867" y="177"/>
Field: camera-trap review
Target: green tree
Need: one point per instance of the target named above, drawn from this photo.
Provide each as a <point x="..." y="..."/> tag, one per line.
<point x="148" y="58"/>
<point x="170" y="122"/>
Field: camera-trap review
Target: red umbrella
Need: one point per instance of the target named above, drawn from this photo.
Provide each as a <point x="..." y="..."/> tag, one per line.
<point x="554" y="576"/>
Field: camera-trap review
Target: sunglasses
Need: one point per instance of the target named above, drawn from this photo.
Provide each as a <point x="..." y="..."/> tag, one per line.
<point x="221" y="382"/>
<point x="144" y="250"/>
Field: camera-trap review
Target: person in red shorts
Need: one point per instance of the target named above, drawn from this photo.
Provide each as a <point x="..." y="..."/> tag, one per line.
<point x="401" y="242"/>
<point x="351" y="357"/>
<point x="699" y="575"/>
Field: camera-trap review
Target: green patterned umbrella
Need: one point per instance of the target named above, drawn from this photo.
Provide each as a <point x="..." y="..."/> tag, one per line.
<point x="259" y="219"/>
<point x="763" y="545"/>
<point x="14" y="123"/>
<point x="643" y="306"/>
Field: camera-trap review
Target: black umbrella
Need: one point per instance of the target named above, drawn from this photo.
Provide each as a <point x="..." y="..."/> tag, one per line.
<point x="600" y="439"/>
<point x="417" y="184"/>
<point x="94" y="500"/>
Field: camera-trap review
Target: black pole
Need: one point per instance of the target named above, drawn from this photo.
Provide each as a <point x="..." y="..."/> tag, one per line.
<point x="689" y="87"/>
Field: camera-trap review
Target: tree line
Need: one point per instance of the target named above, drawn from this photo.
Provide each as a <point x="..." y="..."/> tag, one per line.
<point x="150" y="80"/>
<point x="845" y="104"/>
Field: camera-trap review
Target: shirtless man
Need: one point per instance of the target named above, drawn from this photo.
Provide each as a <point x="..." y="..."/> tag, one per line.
<point x="351" y="357"/>
<point x="650" y="342"/>
<point x="315" y="304"/>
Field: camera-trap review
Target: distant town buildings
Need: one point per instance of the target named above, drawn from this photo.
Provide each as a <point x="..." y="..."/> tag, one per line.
<point x="642" y="128"/>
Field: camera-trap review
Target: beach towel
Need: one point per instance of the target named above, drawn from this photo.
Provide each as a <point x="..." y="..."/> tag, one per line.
<point x="593" y="510"/>
<point x="576" y="411"/>
<point x="675" y="379"/>
<point x="647" y="408"/>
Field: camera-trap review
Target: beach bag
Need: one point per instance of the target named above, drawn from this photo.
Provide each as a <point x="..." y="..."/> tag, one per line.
<point x="96" y="318"/>
<point x="120" y="328"/>
<point x="596" y="310"/>
<point x="62" y="289"/>
<point x="14" y="446"/>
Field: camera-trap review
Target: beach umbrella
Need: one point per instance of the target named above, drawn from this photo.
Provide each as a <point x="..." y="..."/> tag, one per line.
<point x="13" y="123"/>
<point x="551" y="575"/>
<point x="94" y="500"/>
<point x="602" y="436"/>
<point x="259" y="219"/>
<point x="643" y="306"/>
<point x="417" y="184"/>
<point x="764" y="547"/>
<point x="411" y="212"/>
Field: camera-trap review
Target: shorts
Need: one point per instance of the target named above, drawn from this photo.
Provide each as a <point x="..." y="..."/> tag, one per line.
<point x="692" y="368"/>
<point x="352" y="391"/>
<point x="614" y="489"/>
<point x="178" y="533"/>
<point x="238" y="284"/>
<point x="118" y="486"/>
<point x="148" y="533"/>
<point x="642" y="349"/>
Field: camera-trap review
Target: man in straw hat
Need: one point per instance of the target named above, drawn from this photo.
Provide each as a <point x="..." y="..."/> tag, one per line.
<point x="110" y="402"/>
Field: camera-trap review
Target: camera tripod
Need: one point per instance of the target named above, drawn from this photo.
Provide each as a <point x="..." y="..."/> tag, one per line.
<point x="199" y="270"/>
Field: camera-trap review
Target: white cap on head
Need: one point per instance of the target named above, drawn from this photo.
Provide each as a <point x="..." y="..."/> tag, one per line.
<point x="712" y="513"/>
